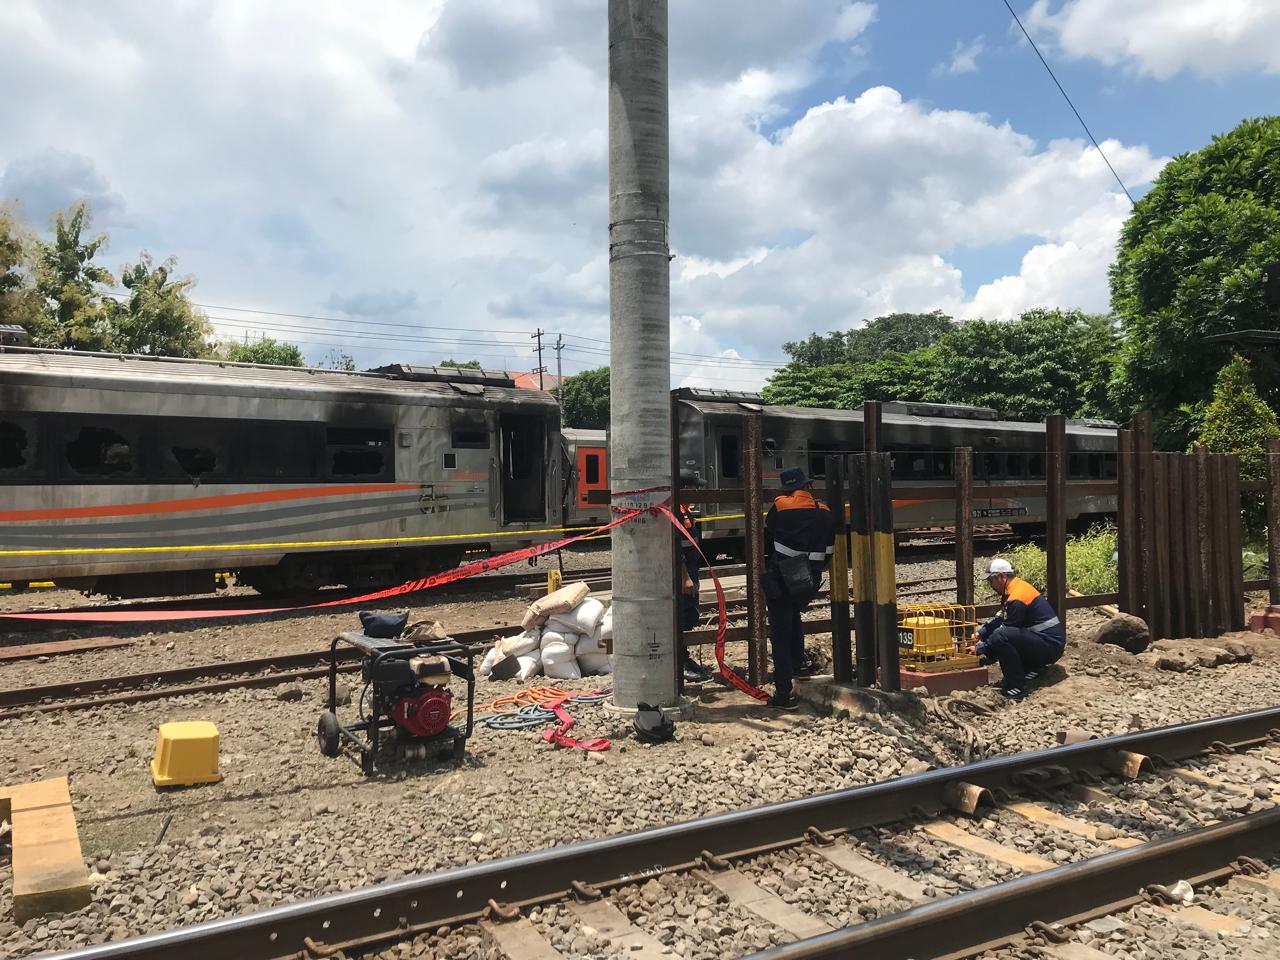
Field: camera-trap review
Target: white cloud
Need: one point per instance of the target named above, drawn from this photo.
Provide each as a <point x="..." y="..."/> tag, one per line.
<point x="1210" y="37"/>
<point x="444" y="164"/>
<point x="964" y="58"/>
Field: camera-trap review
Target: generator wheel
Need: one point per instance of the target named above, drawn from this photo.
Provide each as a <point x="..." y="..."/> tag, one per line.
<point x="327" y="734"/>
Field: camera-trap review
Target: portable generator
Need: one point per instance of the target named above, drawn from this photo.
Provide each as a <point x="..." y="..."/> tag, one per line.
<point x="405" y="690"/>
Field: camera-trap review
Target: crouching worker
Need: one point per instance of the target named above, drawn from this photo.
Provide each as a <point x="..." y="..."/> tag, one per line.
<point x="799" y="535"/>
<point x="1025" y="637"/>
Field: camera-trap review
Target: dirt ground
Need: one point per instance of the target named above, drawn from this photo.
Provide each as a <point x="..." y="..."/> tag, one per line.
<point x="286" y="823"/>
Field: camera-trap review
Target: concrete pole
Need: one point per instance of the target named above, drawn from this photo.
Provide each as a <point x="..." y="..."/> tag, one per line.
<point x="640" y="354"/>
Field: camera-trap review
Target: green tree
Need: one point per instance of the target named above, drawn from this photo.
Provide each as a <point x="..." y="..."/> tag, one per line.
<point x="20" y="302"/>
<point x="801" y="385"/>
<point x="157" y="317"/>
<point x="462" y="365"/>
<point x="266" y="350"/>
<point x="586" y="400"/>
<point x="1189" y="265"/>
<point x="73" y="286"/>
<point x="893" y="333"/>
<point x="1238" y="421"/>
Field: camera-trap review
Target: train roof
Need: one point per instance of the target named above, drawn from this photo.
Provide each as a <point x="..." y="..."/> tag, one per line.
<point x="584" y="436"/>
<point x="396" y="384"/>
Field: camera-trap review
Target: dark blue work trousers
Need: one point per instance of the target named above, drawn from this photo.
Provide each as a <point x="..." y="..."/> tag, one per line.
<point x="786" y="637"/>
<point x="689" y="613"/>
<point x="1020" y="650"/>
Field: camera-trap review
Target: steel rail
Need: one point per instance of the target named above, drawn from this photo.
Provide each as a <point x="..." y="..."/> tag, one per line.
<point x="416" y="905"/>
<point x="992" y="917"/>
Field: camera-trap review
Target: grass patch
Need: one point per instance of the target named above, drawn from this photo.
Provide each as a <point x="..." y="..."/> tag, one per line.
<point x="1090" y="569"/>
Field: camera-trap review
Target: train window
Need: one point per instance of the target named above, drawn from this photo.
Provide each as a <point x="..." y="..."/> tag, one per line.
<point x="730" y="456"/>
<point x="1095" y="466"/>
<point x="470" y="438"/>
<point x="358" y="451"/>
<point x="992" y="466"/>
<point x="100" y="452"/>
<point x="17" y="448"/>
<point x="1075" y="466"/>
<point x="193" y="449"/>
<point x="1013" y="464"/>
<point x="280" y="450"/>
<point x="942" y="465"/>
<point x="593" y="468"/>
<point x="451" y="461"/>
<point x="1035" y="469"/>
<point x="1109" y="466"/>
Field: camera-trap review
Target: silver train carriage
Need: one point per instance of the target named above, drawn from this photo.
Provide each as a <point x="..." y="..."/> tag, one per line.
<point x="920" y="437"/>
<point x="585" y="467"/>
<point x="139" y="476"/>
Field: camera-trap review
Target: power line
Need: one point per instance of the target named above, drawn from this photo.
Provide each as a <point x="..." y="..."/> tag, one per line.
<point x="1062" y="91"/>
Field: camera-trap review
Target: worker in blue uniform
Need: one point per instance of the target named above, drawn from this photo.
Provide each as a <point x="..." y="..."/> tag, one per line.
<point x="800" y="535"/>
<point x="690" y="670"/>
<point x="1025" y="637"/>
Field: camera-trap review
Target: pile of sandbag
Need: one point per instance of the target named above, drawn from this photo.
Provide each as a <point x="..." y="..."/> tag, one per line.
<point x="565" y="636"/>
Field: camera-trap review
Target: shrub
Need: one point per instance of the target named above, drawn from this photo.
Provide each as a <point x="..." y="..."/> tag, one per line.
<point x="1090" y="565"/>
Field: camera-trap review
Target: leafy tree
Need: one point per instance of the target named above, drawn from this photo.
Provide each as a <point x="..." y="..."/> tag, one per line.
<point x="894" y="333"/>
<point x="462" y="365"/>
<point x="586" y="399"/>
<point x="1237" y="421"/>
<point x="801" y="385"/>
<point x="1189" y="266"/>
<point x="818" y="350"/>
<point x="157" y="317"/>
<point x="266" y="350"/>
<point x="337" y="360"/>
<point x="20" y="303"/>
<point x="72" y="285"/>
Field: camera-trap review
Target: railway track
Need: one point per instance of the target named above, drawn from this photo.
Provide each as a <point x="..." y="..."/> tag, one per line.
<point x="897" y="869"/>
<point x="258" y="672"/>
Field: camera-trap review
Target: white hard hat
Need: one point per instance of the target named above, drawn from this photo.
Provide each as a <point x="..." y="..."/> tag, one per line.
<point x="997" y="566"/>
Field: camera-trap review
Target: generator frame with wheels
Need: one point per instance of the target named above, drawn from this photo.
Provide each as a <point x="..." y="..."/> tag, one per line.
<point x="367" y="734"/>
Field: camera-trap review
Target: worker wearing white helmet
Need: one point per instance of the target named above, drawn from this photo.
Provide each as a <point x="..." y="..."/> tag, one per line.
<point x="1025" y="637"/>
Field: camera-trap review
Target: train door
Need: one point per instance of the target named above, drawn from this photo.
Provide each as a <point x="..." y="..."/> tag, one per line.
<point x="728" y="457"/>
<point x="522" y="462"/>
<point x="593" y="472"/>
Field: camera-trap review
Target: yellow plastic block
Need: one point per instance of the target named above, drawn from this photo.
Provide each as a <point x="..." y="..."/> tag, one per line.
<point x="186" y="754"/>
<point x="926" y="636"/>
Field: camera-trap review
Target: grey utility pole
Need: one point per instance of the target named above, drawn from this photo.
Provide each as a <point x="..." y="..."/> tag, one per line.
<point x="559" y="347"/>
<point x="640" y="354"/>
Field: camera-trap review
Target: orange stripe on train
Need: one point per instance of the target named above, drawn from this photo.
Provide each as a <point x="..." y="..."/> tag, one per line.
<point x="206" y="503"/>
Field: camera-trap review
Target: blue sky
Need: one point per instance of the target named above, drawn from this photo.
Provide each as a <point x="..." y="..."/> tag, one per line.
<point x="420" y="179"/>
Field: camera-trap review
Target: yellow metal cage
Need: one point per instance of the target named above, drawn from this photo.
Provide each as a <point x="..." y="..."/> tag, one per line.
<point x="932" y="637"/>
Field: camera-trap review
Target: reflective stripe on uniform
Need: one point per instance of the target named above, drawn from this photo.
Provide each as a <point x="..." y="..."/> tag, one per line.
<point x="1046" y="625"/>
<point x="786" y="551"/>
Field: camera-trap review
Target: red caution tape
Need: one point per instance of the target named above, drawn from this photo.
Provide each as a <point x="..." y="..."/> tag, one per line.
<point x="413" y="586"/>
<point x="725" y="671"/>
<point x="558" y="735"/>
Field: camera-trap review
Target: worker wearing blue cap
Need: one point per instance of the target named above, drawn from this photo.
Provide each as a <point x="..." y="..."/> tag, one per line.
<point x="800" y="535"/>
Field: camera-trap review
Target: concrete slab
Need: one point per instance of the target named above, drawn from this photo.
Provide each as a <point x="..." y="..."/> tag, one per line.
<point x="49" y="875"/>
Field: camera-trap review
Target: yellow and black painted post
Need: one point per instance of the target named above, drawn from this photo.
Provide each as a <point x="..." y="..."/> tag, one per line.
<point x="880" y="473"/>
<point x="861" y="558"/>
<point x="841" y="637"/>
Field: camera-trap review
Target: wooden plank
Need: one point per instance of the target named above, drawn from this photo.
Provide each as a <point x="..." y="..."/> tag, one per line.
<point x="1074" y="951"/>
<point x="757" y="623"/>
<point x="29" y="651"/>
<point x="519" y="940"/>
<point x="1273" y="519"/>
<point x="1081" y="828"/>
<point x="1268" y="884"/>
<point x="1055" y="434"/>
<point x="49" y="874"/>
<point x="1204" y="780"/>
<point x="1142" y="429"/>
<point x="1126" y="537"/>
<point x="1235" y="543"/>
<point x="1204" y="539"/>
<point x="766" y="905"/>
<point x="1206" y="919"/>
<point x="609" y="922"/>
<point x="1191" y="556"/>
<point x="886" y="878"/>
<point x="959" y="837"/>
<point x="963" y="471"/>
<point x="1159" y="621"/>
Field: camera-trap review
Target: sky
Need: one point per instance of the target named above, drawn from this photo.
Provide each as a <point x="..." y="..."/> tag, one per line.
<point x="418" y="180"/>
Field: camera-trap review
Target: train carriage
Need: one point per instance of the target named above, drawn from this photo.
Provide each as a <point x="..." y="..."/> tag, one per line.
<point x="920" y="437"/>
<point x="136" y="476"/>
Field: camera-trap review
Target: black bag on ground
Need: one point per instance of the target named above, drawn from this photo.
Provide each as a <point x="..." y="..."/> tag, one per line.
<point x="382" y="625"/>
<point x="651" y="725"/>
<point x="797" y="578"/>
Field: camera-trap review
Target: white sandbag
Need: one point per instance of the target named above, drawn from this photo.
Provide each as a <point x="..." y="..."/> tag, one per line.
<point x="595" y="663"/>
<point x="521" y="643"/>
<point x="593" y="644"/>
<point x="568" y="670"/>
<point x="530" y="666"/>
<point x="584" y="618"/>
<point x="486" y="665"/>
<point x="550" y="635"/>
<point x="555" y="653"/>
<point x="606" y="624"/>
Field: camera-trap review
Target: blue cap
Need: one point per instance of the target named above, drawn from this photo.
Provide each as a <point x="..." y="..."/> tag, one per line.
<point x="793" y="478"/>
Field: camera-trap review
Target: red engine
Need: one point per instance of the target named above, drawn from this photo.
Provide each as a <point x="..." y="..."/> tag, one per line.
<point x="425" y="712"/>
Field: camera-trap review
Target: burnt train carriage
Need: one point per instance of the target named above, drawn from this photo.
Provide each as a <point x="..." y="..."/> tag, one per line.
<point x="920" y="437"/>
<point x="141" y="476"/>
